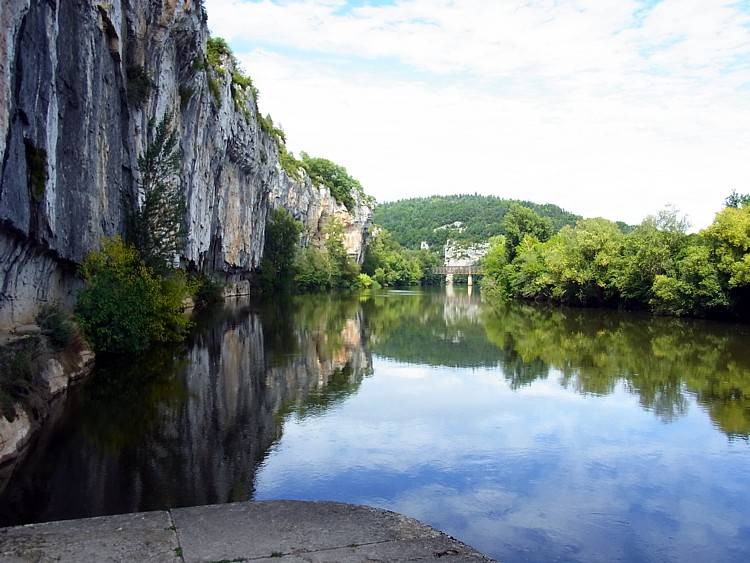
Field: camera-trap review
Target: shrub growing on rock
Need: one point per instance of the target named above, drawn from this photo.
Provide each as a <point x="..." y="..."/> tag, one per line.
<point x="57" y="325"/>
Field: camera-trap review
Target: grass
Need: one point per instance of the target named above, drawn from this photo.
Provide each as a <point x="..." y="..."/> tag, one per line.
<point x="215" y="88"/>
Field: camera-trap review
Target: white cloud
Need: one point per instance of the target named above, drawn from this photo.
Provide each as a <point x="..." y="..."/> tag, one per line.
<point x="604" y="107"/>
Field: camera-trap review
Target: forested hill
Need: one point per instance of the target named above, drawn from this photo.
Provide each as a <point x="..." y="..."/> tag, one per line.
<point x="412" y="221"/>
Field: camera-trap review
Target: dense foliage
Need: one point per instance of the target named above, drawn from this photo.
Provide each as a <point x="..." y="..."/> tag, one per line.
<point x="318" y="266"/>
<point x="133" y="295"/>
<point x="391" y="265"/>
<point x="328" y="266"/>
<point x="412" y="221"/>
<point x="657" y="266"/>
<point x="334" y="177"/>
<point x="282" y="240"/>
<point x="125" y="305"/>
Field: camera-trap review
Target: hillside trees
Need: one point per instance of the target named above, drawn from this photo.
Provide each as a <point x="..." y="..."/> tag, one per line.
<point x="412" y="221"/>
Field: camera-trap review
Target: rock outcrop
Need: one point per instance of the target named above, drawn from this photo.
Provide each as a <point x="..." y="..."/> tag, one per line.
<point x="79" y="82"/>
<point x="56" y="372"/>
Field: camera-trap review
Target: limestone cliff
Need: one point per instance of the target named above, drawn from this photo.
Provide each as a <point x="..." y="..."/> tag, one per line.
<point x="79" y="82"/>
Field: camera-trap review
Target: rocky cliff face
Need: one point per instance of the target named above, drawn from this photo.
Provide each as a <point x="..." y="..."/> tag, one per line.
<point x="73" y="122"/>
<point x="314" y="206"/>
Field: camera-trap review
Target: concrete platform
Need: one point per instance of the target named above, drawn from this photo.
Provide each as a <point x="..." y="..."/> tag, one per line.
<point x="286" y="531"/>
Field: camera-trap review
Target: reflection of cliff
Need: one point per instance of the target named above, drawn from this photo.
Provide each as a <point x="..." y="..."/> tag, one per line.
<point x="185" y="427"/>
<point x="659" y="360"/>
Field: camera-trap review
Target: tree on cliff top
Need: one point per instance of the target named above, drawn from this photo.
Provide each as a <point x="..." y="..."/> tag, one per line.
<point x="334" y="177"/>
<point x="156" y="225"/>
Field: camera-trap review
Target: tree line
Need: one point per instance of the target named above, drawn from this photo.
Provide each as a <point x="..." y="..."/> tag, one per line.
<point x="657" y="266"/>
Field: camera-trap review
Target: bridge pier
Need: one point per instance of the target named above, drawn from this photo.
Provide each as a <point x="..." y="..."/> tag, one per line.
<point x="470" y="280"/>
<point x="449" y="279"/>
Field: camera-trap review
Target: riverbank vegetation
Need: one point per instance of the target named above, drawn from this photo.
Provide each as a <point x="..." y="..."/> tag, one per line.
<point x="657" y="266"/>
<point x="391" y="265"/>
<point x="315" y="267"/>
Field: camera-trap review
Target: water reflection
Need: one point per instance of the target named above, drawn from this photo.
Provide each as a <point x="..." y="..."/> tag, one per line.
<point x="660" y="360"/>
<point x="188" y="425"/>
<point x="535" y="433"/>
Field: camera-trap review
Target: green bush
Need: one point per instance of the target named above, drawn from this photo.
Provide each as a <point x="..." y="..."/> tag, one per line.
<point x="391" y="265"/>
<point x="335" y="177"/>
<point x="207" y="291"/>
<point x="366" y="282"/>
<point x="57" y="325"/>
<point x="312" y="269"/>
<point x="215" y="88"/>
<point x="125" y="306"/>
<point x="216" y="49"/>
<point x="290" y="164"/>
<point x="280" y="248"/>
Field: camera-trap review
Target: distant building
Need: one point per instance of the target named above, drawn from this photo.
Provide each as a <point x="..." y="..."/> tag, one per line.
<point x="424" y="245"/>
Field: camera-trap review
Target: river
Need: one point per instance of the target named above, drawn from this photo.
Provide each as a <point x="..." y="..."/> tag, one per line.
<point x="533" y="433"/>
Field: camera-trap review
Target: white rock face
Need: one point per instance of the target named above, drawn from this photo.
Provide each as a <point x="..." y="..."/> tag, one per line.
<point x="458" y="254"/>
<point x="314" y="206"/>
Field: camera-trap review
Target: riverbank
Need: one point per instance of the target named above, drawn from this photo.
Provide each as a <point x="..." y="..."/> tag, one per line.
<point x="35" y="373"/>
<point x="259" y="531"/>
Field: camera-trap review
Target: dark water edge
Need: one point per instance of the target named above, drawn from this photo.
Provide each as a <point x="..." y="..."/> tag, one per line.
<point x="534" y="433"/>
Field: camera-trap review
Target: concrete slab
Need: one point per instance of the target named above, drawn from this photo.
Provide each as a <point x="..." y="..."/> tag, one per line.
<point x="312" y="531"/>
<point x="288" y="531"/>
<point x="147" y="536"/>
<point x="443" y="549"/>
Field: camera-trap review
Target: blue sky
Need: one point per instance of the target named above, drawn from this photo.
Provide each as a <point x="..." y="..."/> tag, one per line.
<point x="610" y="108"/>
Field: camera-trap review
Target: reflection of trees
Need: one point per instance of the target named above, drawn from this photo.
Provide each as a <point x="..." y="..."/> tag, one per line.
<point x="428" y="328"/>
<point x="658" y="359"/>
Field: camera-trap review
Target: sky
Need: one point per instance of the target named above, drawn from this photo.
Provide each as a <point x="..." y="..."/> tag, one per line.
<point x="611" y="108"/>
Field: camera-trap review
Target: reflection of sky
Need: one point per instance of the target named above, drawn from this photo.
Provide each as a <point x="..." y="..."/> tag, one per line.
<point x="539" y="474"/>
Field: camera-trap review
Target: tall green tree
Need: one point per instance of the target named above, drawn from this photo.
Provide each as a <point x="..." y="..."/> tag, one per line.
<point x="280" y="249"/>
<point x="521" y="221"/>
<point x="157" y="226"/>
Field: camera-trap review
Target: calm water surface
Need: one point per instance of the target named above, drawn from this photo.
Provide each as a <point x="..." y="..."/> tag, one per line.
<point x="532" y="433"/>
